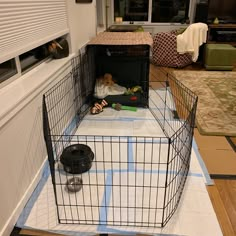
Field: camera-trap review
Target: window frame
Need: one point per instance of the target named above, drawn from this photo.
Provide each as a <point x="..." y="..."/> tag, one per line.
<point x="149" y="22"/>
<point x="9" y="71"/>
<point x="26" y="26"/>
<point x="32" y="64"/>
<point x="13" y="77"/>
<point x="19" y="69"/>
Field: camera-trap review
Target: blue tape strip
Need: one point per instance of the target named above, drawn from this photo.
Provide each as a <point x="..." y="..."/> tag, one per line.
<point x="105" y="201"/>
<point x="208" y="179"/>
<point x="104" y="210"/>
<point x="130" y="155"/>
<point x="71" y="126"/>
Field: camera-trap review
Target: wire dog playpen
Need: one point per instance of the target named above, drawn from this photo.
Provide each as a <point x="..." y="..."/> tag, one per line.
<point x="117" y="180"/>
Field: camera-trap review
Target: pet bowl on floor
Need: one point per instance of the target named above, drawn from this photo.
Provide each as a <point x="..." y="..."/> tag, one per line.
<point x="74" y="184"/>
<point x="77" y="158"/>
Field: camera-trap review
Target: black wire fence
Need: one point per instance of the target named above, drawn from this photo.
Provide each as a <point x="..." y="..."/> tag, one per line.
<point x="117" y="180"/>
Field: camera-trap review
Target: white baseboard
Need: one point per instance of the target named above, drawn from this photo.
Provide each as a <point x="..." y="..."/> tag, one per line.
<point x="8" y="227"/>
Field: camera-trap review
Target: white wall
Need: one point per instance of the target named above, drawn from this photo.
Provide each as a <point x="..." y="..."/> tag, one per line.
<point x="22" y="147"/>
<point x="22" y="154"/>
<point x="82" y="23"/>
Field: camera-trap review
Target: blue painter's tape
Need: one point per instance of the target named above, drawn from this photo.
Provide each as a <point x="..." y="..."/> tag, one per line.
<point x="130" y="155"/>
<point x="105" y="201"/>
<point x="208" y="179"/>
<point x="71" y="127"/>
<point x="104" y="210"/>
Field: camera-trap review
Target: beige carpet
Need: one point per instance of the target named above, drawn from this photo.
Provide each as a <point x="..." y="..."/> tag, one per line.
<point x="216" y="91"/>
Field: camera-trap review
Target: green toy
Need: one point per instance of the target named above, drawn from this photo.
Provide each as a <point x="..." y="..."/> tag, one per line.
<point x="135" y="89"/>
<point x="118" y="107"/>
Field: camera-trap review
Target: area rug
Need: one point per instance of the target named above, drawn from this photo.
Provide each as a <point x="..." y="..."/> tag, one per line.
<point x="216" y="91"/>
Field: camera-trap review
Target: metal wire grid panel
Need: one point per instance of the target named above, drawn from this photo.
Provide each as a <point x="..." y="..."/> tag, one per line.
<point x="134" y="180"/>
<point x="182" y="104"/>
<point x="67" y="102"/>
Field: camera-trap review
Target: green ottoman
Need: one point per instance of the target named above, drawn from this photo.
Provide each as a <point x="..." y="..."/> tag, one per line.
<point x="219" y="57"/>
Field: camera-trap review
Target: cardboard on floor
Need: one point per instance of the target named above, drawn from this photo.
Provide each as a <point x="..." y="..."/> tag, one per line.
<point x="217" y="154"/>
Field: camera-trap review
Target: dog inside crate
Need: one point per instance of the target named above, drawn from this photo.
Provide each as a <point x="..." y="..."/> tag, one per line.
<point x="117" y="168"/>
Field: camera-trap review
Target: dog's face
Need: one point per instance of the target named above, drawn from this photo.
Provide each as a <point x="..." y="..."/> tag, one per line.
<point x="107" y="80"/>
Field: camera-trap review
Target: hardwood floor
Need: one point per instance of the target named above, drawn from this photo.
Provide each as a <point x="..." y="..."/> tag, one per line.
<point x="222" y="196"/>
<point x="232" y="141"/>
<point x="227" y="191"/>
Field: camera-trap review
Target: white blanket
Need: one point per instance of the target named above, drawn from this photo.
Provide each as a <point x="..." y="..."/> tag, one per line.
<point x="101" y="90"/>
<point x="191" y="39"/>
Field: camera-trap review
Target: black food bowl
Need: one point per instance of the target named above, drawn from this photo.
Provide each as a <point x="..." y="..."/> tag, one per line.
<point x="77" y="158"/>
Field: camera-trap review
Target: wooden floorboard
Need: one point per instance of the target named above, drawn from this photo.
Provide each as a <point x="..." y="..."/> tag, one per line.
<point x="220" y="210"/>
<point x="232" y="141"/>
<point x="227" y="191"/>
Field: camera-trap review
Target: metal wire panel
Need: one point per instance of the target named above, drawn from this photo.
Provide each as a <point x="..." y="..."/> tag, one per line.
<point x="134" y="180"/>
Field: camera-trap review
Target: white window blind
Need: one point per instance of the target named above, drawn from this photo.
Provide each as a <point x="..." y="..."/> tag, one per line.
<point x="26" y="24"/>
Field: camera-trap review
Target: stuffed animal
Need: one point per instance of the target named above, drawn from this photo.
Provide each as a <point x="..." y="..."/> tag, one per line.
<point x="107" y="80"/>
<point x="59" y="48"/>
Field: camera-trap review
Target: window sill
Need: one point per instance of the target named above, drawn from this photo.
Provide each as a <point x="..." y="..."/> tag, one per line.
<point x="152" y="24"/>
<point x="20" y="92"/>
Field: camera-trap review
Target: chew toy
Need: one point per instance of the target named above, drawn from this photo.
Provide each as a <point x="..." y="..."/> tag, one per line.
<point x="98" y="108"/>
<point x="118" y="107"/>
